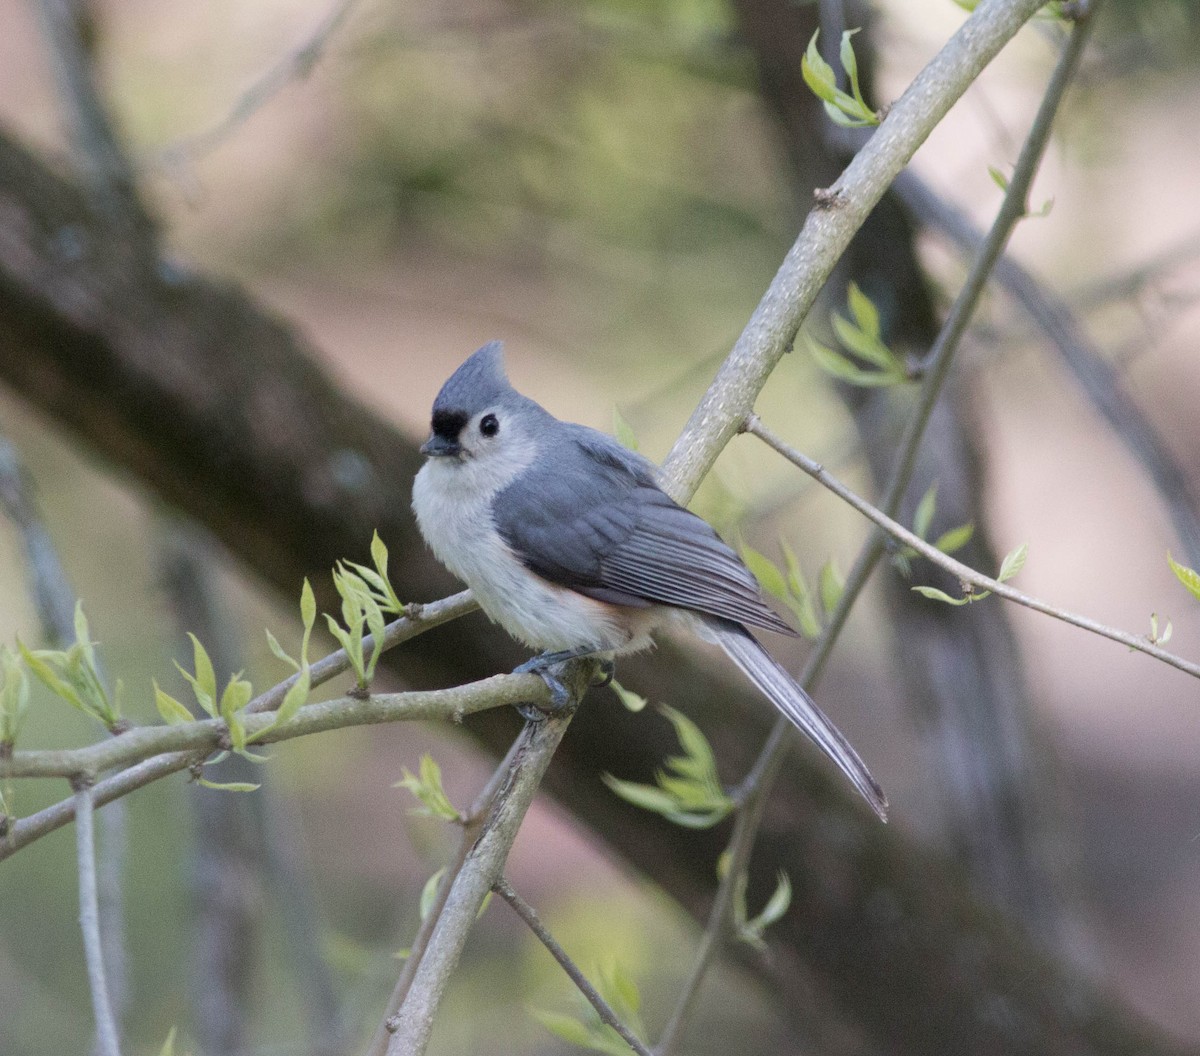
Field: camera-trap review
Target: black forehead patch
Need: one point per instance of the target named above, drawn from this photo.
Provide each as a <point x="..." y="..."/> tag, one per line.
<point x="448" y="424"/>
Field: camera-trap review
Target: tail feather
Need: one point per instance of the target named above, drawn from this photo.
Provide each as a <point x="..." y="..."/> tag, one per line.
<point x="781" y="689"/>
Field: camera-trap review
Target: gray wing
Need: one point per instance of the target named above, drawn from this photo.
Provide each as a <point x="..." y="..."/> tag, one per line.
<point x="591" y="517"/>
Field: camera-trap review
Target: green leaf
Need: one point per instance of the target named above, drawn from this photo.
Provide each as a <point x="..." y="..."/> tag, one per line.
<point x="14" y="696"/>
<point x="568" y="1028"/>
<point x="800" y="597"/>
<point x="923" y="517"/>
<point x="379" y="555"/>
<point x="687" y="791"/>
<point x="427" y="789"/>
<point x="206" y="678"/>
<point x="1189" y="577"/>
<point x="172" y="711"/>
<point x="777" y="905"/>
<point x="955" y="538"/>
<point x="308" y="616"/>
<point x="841" y="368"/>
<point x="645" y="796"/>
<point x="769" y="577"/>
<point x="429" y="892"/>
<point x="228" y="786"/>
<point x="1014" y="561"/>
<point x="295" y="698"/>
<point x="866" y="315"/>
<point x="867" y="347"/>
<point x="38" y="663"/>
<point x="751" y="931"/>
<point x="998" y="178"/>
<point x="849" y="62"/>
<point x="83" y="636"/>
<point x="831" y="584"/>
<point x="633" y="701"/>
<point x="168" y="1046"/>
<point x="624" y="431"/>
<point x="236" y="696"/>
<point x="281" y="653"/>
<point x="939" y="595"/>
<point x="618" y="988"/>
<point x="817" y="73"/>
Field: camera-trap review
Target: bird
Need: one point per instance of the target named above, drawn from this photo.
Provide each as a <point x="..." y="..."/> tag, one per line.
<point x="569" y="542"/>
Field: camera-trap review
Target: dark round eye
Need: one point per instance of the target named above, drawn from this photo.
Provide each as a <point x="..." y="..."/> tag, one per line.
<point x="489" y="425"/>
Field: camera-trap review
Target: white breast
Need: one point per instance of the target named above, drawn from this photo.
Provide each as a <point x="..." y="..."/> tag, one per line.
<point x="453" y="501"/>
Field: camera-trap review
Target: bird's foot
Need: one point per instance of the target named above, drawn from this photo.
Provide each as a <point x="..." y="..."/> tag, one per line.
<point x="542" y="666"/>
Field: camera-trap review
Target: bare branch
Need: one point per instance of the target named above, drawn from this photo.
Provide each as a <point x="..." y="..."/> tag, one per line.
<point x="294" y="66"/>
<point x="603" y="1009"/>
<point x="106" y="169"/>
<point x="89" y="921"/>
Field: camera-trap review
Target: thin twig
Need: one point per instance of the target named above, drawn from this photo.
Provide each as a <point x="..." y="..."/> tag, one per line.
<point x="295" y="66"/>
<point x="105" y="167"/>
<point x="54" y="599"/>
<point x="964" y="573"/>
<point x="603" y="1009"/>
<point x="752" y="794"/>
<point x="89" y="921"/>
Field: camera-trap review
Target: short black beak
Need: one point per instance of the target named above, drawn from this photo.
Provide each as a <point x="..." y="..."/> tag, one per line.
<point x="438" y="446"/>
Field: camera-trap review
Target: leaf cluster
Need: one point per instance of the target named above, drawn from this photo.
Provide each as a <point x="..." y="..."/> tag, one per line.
<point x="1013" y="562"/>
<point x="72" y="675"/>
<point x="848" y="109"/>
<point x="948" y="542"/>
<point x="862" y="336"/>
<point x="367" y="596"/>
<point x="811" y="609"/>
<point x="750" y="929"/>
<point x="687" y="790"/>
<point x="426" y="787"/>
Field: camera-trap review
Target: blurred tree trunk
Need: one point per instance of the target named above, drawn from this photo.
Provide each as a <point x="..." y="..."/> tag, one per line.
<point x="218" y="408"/>
<point x="960" y="667"/>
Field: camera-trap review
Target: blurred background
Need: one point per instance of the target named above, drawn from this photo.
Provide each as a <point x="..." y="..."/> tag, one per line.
<point x="605" y="185"/>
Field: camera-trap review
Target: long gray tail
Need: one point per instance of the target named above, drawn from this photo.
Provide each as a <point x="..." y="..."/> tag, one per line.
<point x="781" y="690"/>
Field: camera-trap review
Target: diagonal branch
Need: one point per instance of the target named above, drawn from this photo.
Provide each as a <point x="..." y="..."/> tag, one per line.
<point x="603" y="1009"/>
<point x="964" y="573"/>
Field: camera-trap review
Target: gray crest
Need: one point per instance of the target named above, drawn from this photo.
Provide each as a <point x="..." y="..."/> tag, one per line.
<point x="478" y="383"/>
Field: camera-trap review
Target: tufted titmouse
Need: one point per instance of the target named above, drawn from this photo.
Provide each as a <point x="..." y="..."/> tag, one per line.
<point x="568" y="543"/>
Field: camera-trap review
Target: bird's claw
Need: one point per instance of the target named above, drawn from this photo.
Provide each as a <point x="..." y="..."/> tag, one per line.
<point x="560" y="696"/>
